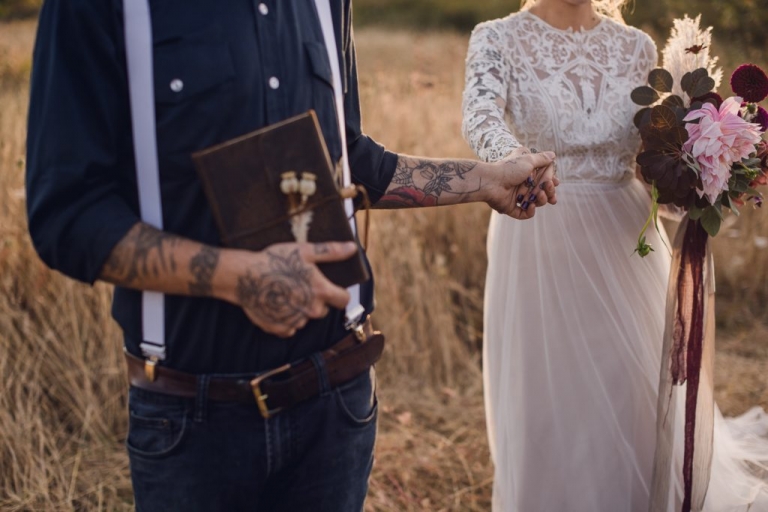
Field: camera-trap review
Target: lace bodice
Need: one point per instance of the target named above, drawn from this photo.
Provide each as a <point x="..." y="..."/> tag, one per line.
<point x="529" y="83"/>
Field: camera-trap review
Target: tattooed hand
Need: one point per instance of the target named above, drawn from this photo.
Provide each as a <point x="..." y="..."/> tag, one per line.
<point x="521" y="182"/>
<point x="281" y="288"/>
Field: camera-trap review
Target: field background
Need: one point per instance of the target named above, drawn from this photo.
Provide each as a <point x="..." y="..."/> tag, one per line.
<point x="62" y="389"/>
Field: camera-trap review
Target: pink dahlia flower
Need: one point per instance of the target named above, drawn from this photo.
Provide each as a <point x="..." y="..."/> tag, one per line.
<point x="720" y="139"/>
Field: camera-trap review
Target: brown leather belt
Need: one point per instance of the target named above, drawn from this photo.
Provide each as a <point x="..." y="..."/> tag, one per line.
<point x="275" y="389"/>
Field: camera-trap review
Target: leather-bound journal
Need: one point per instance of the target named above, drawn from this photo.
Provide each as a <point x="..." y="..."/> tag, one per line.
<point x="277" y="185"/>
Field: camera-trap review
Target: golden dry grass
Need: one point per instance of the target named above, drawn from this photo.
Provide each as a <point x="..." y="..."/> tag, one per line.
<point x="62" y="389"/>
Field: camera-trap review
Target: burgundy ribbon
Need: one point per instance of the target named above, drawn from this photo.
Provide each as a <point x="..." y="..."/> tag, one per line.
<point x="688" y="339"/>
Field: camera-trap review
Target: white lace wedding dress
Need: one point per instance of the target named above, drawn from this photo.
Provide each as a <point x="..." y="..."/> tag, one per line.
<point x="573" y="323"/>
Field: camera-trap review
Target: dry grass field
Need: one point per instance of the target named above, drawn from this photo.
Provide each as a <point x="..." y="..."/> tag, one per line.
<point x="62" y="389"/>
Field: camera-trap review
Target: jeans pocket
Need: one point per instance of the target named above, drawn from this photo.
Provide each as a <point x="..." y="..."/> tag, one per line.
<point x="155" y="430"/>
<point x="357" y="401"/>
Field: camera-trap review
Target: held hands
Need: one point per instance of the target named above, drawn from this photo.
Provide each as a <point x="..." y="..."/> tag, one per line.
<point x="521" y="182"/>
<point x="280" y="289"/>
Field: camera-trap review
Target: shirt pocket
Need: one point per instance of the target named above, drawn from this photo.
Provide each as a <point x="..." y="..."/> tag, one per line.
<point x="318" y="62"/>
<point x="322" y="95"/>
<point x="194" y="77"/>
<point x="185" y="70"/>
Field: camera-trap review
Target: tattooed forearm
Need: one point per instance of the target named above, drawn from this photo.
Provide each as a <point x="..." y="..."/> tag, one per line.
<point x="280" y="289"/>
<point x="433" y="176"/>
<point x="202" y="267"/>
<point x="281" y="294"/>
<point x="424" y="182"/>
<point x="144" y="252"/>
<point x="150" y="259"/>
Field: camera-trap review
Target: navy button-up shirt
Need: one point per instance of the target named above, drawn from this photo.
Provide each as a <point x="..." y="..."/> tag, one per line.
<point x="222" y="69"/>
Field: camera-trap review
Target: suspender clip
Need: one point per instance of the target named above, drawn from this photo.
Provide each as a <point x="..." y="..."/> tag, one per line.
<point x="150" y="368"/>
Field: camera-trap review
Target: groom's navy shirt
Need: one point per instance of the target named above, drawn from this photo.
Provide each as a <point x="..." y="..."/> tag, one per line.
<point x="222" y="69"/>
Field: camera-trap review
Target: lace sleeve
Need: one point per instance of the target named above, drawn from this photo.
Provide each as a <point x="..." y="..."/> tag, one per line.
<point x="485" y="96"/>
<point x="647" y="58"/>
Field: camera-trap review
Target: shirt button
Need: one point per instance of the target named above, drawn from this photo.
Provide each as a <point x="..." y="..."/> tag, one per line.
<point x="263" y="9"/>
<point x="274" y="83"/>
<point x="177" y="85"/>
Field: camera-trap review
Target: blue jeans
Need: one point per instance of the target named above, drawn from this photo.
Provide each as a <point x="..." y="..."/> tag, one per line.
<point x="199" y="455"/>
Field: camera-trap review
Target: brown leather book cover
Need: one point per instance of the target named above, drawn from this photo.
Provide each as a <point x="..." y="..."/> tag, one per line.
<point x="242" y="180"/>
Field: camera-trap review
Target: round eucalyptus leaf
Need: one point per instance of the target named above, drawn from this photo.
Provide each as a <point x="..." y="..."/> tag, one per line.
<point x="661" y="80"/>
<point x="642" y="117"/>
<point x="699" y="73"/>
<point x="703" y="86"/>
<point x="645" y="96"/>
<point x="687" y="83"/>
<point x="673" y="101"/>
<point x="663" y="118"/>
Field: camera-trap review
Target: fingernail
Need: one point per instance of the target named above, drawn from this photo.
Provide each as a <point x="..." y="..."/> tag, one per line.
<point x="529" y="181"/>
<point x="532" y="198"/>
<point x="520" y="198"/>
<point x="524" y="206"/>
<point x="348" y="246"/>
<point x="550" y="154"/>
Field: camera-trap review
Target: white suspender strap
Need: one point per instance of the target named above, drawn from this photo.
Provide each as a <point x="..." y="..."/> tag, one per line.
<point x="355" y="310"/>
<point x="138" y="43"/>
<point x="138" y="48"/>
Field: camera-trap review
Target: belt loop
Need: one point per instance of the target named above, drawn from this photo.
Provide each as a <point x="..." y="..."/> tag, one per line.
<point x="322" y="373"/>
<point x="201" y="398"/>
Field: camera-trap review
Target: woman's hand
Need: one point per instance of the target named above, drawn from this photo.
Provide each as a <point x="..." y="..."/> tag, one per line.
<point x="521" y="182"/>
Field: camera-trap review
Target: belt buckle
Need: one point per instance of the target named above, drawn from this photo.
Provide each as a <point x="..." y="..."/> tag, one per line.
<point x="261" y="398"/>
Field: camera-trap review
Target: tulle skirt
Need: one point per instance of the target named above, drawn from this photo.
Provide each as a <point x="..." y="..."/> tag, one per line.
<point x="572" y="355"/>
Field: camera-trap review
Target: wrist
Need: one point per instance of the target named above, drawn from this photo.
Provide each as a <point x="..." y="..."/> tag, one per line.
<point x="232" y="262"/>
<point x="488" y="174"/>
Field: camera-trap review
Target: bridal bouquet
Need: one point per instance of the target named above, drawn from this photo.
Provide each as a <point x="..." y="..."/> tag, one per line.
<point x="705" y="155"/>
<point x="701" y="153"/>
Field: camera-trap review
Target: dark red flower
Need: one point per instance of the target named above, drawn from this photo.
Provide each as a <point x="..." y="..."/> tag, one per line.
<point x="761" y="118"/>
<point x="750" y="82"/>
<point x="762" y="154"/>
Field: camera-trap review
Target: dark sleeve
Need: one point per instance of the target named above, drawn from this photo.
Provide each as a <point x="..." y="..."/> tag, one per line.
<point x="78" y="206"/>
<point x="372" y="166"/>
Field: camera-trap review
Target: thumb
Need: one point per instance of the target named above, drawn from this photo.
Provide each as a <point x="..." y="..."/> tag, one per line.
<point x="542" y="159"/>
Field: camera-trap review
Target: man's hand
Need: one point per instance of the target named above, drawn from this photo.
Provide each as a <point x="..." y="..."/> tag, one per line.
<point x="281" y="288"/>
<point x="521" y="182"/>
